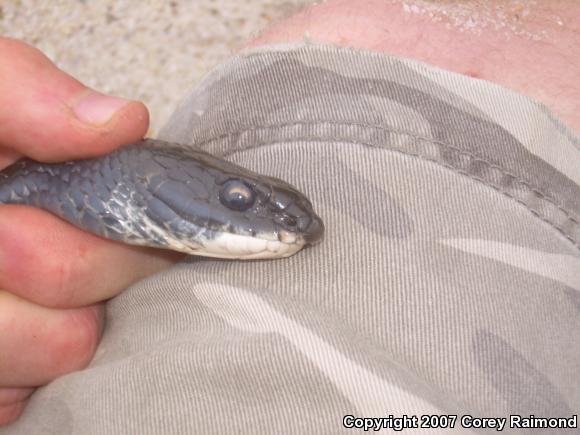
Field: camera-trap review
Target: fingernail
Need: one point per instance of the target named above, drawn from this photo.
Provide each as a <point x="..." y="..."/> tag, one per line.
<point x="97" y="109"/>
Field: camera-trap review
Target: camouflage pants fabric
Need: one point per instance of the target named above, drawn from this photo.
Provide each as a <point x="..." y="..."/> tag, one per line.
<point x="448" y="283"/>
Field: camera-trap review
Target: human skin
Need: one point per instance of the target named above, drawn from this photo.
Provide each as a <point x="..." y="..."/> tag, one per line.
<point x="54" y="277"/>
<point x="529" y="46"/>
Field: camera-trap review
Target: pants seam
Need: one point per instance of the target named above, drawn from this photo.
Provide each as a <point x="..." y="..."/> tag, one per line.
<point x="547" y="199"/>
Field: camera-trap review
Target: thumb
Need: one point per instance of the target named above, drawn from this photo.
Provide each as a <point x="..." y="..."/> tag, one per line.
<point x="48" y="115"/>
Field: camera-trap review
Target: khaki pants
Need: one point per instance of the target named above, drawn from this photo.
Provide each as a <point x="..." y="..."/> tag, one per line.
<point x="448" y="282"/>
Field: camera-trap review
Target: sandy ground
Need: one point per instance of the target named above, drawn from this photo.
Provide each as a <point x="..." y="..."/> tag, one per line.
<point x="151" y="50"/>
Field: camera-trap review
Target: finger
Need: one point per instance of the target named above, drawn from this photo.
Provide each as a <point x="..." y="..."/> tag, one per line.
<point x="40" y="344"/>
<point x="11" y="411"/>
<point x="50" y="262"/>
<point x="12" y="395"/>
<point x="12" y="402"/>
<point x="49" y="116"/>
<point x="8" y="156"/>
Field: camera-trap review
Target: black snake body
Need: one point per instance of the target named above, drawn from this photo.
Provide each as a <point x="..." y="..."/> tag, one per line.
<point x="165" y="195"/>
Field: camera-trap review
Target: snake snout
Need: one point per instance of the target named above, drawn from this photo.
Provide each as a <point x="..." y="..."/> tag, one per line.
<point x="312" y="229"/>
<point x="306" y="222"/>
<point x="294" y="218"/>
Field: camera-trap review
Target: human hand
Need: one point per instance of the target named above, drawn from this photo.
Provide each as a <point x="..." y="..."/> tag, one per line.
<point x="53" y="276"/>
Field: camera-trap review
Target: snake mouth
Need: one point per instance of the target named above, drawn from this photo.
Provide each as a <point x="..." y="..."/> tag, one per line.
<point x="234" y="246"/>
<point x="280" y="243"/>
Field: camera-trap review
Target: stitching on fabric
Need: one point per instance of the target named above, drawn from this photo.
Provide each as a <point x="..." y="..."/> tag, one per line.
<point x="542" y="196"/>
<point x="472" y="156"/>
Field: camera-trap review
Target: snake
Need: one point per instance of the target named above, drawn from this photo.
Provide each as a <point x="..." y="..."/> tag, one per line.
<point x="170" y="196"/>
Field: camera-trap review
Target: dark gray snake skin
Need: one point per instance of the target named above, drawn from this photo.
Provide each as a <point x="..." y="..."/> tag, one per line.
<point x="164" y="195"/>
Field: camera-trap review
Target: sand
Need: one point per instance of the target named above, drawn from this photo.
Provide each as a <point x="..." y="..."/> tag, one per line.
<point x="150" y="50"/>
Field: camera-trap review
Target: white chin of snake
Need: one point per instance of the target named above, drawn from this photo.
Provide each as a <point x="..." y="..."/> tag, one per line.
<point x="227" y="245"/>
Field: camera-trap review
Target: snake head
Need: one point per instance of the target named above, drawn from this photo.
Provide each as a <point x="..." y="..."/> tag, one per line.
<point x="215" y="208"/>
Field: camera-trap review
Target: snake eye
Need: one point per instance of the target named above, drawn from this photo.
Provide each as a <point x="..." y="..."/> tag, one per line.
<point x="237" y="195"/>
